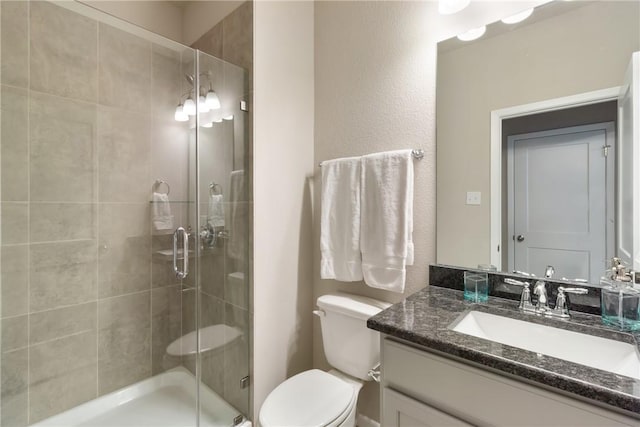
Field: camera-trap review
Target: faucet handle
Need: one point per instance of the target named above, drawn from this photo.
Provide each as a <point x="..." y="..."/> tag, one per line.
<point x="562" y="308"/>
<point x="525" y="297"/>
<point x="516" y="282"/>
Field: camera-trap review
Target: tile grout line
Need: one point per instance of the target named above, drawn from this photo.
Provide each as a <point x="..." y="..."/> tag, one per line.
<point x="61" y="337"/>
<point x="29" y="212"/>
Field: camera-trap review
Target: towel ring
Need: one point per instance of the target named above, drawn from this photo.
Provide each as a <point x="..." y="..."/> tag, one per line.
<point x="214" y="189"/>
<point x="159" y="182"/>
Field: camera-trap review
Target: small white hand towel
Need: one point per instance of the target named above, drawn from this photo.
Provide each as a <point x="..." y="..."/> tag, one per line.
<point x="386" y="228"/>
<point x="161" y="212"/>
<point x="238" y="216"/>
<point x="215" y="214"/>
<point x="340" y="220"/>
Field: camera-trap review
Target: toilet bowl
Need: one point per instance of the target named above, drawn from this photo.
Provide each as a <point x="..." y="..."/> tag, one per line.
<point x="328" y="399"/>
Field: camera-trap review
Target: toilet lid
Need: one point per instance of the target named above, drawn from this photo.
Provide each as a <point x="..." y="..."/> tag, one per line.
<point x="310" y="399"/>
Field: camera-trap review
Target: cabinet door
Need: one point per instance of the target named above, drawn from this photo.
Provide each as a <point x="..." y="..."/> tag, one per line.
<point x="402" y="411"/>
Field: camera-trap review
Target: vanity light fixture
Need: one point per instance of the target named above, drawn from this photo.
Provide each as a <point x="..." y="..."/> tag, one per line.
<point x="203" y="107"/>
<point x="218" y="120"/>
<point x="213" y="102"/>
<point x="189" y="107"/>
<point x="208" y="125"/>
<point x="518" y="17"/>
<point x="448" y="7"/>
<point x="193" y="94"/>
<point x="180" y="115"/>
<point x="472" y="34"/>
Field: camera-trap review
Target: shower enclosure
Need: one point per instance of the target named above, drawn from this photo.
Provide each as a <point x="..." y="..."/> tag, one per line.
<point x="124" y="225"/>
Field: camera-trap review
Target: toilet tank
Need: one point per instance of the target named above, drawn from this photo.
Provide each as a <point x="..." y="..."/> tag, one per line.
<point x="348" y="344"/>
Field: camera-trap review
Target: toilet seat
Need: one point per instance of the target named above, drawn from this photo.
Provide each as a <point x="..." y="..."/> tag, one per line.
<point x="312" y="398"/>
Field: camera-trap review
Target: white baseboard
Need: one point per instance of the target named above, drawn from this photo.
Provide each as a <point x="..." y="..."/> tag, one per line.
<point x="362" y="421"/>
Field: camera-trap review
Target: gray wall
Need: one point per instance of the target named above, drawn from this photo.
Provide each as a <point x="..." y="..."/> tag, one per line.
<point x="375" y="91"/>
<point x="283" y="163"/>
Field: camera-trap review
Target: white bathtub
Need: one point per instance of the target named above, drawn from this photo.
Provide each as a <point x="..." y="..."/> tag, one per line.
<point x="167" y="399"/>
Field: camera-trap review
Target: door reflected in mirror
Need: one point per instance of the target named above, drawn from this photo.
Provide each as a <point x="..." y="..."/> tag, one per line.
<point x="537" y="117"/>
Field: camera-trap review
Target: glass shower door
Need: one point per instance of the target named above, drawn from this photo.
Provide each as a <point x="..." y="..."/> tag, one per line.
<point x="223" y="219"/>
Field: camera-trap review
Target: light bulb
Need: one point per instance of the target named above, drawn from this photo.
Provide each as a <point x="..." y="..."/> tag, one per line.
<point x="180" y="115"/>
<point x="212" y="100"/>
<point x="470" y="35"/>
<point x="208" y="125"/>
<point x="218" y="120"/>
<point x="518" y="17"/>
<point x="448" y="7"/>
<point x="203" y="107"/>
<point x="189" y="107"/>
<point x="229" y="117"/>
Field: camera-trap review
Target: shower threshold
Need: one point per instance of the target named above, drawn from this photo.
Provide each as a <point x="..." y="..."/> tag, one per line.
<point x="167" y="399"/>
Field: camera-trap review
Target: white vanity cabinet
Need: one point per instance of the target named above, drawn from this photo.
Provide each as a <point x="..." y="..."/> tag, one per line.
<point x="420" y="388"/>
<point x="402" y="411"/>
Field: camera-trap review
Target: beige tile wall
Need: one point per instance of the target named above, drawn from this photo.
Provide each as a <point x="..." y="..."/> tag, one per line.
<point x="86" y="127"/>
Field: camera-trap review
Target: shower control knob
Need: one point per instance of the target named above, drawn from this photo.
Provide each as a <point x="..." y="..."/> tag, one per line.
<point x="207" y="236"/>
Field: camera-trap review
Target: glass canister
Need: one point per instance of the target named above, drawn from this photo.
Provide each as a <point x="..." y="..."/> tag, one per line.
<point x="620" y="303"/>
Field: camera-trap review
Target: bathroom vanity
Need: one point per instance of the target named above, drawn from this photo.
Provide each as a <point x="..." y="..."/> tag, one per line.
<point x="433" y="375"/>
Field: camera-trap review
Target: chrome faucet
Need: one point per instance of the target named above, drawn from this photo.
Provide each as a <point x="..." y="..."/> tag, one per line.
<point x="540" y="289"/>
<point x="561" y="308"/>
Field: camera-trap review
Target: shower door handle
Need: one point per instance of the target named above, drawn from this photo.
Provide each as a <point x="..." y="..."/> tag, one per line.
<point x="185" y="253"/>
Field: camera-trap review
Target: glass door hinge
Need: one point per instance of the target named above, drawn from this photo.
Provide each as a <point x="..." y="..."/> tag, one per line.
<point x="244" y="382"/>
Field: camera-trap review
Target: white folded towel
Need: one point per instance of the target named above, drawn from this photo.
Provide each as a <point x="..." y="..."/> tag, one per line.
<point x="238" y="216"/>
<point x="386" y="225"/>
<point x="340" y="220"/>
<point x="215" y="213"/>
<point x="161" y="212"/>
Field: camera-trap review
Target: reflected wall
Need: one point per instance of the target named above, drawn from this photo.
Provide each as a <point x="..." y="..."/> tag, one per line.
<point x="584" y="49"/>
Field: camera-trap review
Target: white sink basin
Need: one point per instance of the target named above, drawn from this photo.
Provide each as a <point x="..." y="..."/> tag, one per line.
<point x="601" y="353"/>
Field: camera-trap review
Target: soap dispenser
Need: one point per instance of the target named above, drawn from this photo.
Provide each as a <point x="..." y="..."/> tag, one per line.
<point x="620" y="301"/>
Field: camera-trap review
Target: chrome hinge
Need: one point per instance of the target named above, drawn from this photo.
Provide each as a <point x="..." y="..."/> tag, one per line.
<point x="244" y="106"/>
<point x="244" y="382"/>
<point x="605" y="149"/>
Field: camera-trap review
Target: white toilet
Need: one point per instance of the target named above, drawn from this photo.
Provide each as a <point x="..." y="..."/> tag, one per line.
<point x="328" y="399"/>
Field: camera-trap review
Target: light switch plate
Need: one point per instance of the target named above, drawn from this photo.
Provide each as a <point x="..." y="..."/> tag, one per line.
<point x="474" y="197"/>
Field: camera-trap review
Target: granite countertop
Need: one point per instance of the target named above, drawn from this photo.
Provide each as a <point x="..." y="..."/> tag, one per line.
<point x="424" y="319"/>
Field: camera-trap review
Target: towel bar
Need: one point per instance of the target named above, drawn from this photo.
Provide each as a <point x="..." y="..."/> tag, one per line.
<point x="417" y="153"/>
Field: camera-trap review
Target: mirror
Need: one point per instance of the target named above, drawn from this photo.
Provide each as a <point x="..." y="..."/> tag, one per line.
<point x="536" y="148"/>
